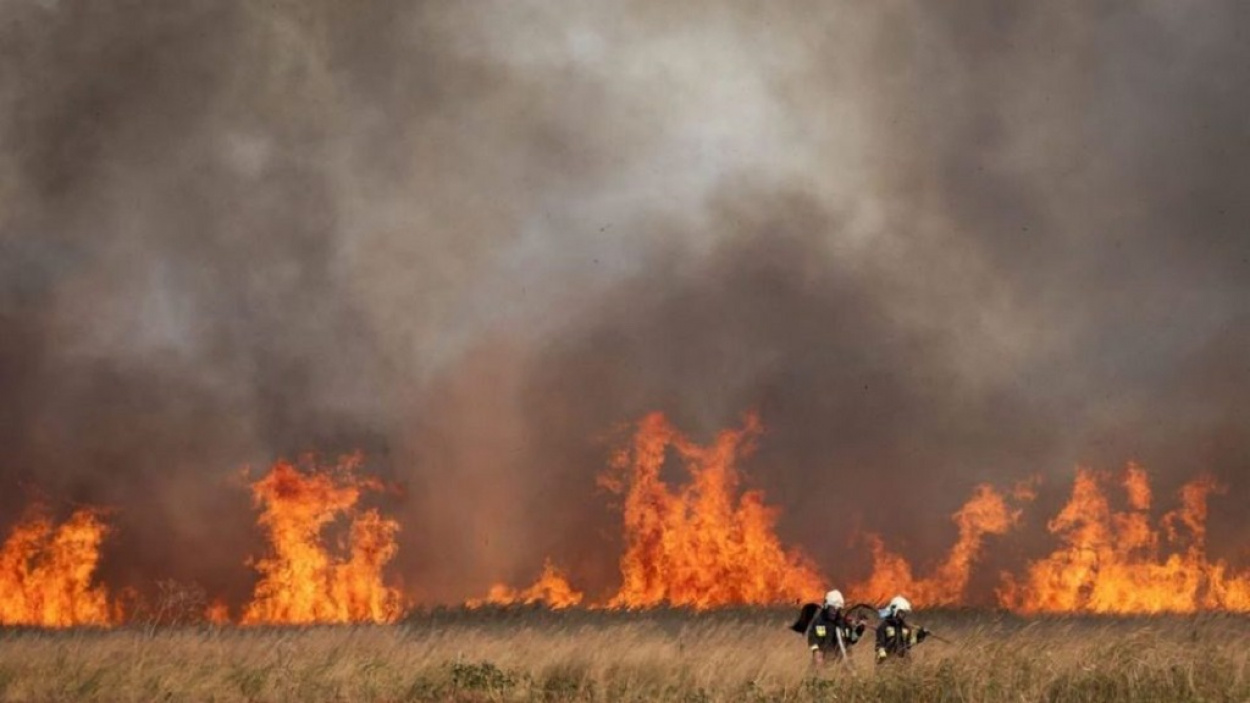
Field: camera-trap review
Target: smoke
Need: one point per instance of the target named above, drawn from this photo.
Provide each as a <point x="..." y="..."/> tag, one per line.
<point x="931" y="245"/>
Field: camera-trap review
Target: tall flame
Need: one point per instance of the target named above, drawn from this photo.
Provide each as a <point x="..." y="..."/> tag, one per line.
<point x="1115" y="562"/>
<point x="552" y="589"/>
<point x="46" y="572"/>
<point x="703" y="545"/>
<point x="301" y="582"/>
<point x="985" y="513"/>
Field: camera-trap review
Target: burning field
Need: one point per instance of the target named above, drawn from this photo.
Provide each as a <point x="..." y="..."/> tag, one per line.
<point x="1125" y="603"/>
<point x="704" y="543"/>
<point x="706" y="591"/>
<point x="516" y="349"/>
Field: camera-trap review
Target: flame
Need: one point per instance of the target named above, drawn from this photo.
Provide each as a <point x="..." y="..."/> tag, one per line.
<point x="551" y="589"/>
<point x="1115" y="562"/>
<point x="46" y="572"/>
<point x="985" y="513"/>
<point x="301" y="582"/>
<point x="217" y="613"/>
<point x="703" y="545"/>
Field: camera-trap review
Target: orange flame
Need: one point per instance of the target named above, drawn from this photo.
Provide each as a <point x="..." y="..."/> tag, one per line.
<point x="300" y="581"/>
<point x="1112" y="562"/>
<point x="551" y="589"/>
<point x="217" y="613"/>
<point x="702" y="546"/>
<point x="46" y="572"/>
<point x="985" y="513"/>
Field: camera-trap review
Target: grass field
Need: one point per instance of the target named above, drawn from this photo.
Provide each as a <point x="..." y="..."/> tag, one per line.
<point x="531" y="655"/>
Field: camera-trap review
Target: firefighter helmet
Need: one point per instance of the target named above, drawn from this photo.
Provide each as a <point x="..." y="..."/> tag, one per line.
<point x="899" y="604"/>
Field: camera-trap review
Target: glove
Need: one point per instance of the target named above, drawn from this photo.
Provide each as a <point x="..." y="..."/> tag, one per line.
<point x="921" y="634"/>
<point x="859" y="629"/>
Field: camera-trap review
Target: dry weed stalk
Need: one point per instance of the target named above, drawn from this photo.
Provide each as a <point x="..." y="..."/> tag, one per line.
<point x="533" y="655"/>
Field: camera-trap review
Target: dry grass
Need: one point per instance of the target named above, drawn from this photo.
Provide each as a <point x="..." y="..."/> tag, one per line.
<point x="528" y="655"/>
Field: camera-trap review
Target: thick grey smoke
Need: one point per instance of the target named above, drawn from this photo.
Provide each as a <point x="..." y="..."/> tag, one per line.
<point x="931" y="244"/>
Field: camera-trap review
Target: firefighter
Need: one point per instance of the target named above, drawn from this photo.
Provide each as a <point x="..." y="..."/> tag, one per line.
<point x="896" y="636"/>
<point x="831" y="632"/>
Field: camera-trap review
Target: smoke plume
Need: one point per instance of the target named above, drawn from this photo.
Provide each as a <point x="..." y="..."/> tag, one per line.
<point x="930" y="244"/>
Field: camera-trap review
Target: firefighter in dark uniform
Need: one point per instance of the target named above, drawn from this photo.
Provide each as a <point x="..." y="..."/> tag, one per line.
<point x="896" y="636"/>
<point x="830" y="632"/>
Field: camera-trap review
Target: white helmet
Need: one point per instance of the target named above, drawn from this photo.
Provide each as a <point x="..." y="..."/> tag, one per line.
<point x="899" y="604"/>
<point x="834" y="599"/>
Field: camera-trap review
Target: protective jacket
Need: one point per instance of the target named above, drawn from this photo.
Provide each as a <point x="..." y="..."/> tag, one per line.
<point x="826" y="625"/>
<point x="896" y="636"/>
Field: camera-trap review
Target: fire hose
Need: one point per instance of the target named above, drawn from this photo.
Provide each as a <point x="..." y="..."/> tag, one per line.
<point x="875" y="610"/>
